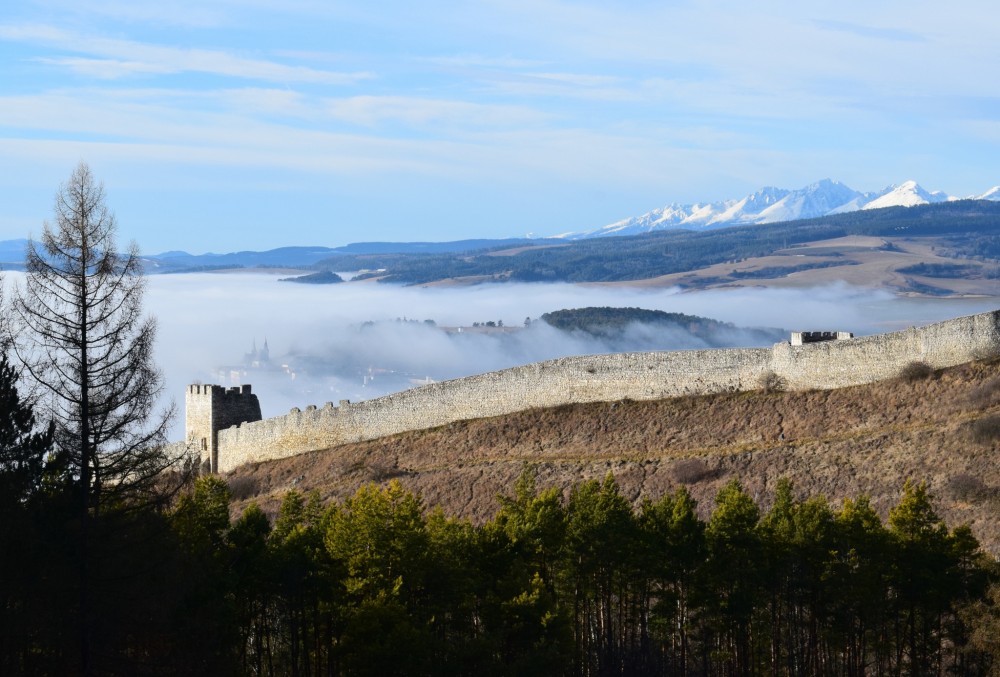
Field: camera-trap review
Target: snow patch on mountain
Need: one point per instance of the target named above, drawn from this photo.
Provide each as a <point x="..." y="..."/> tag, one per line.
<point x="906" y="194"/>
<point x="992" y="194"/>
<point x="770" y="205"/>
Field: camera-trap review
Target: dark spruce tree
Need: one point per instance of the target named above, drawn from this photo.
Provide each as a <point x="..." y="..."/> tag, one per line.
<point x="23" y="449"/>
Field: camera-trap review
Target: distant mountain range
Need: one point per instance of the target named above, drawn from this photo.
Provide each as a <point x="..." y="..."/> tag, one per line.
<point x="12" y="254"/>
<point x="766" y="206"/>
<point x="180" y="261"/>
<point x="773" y="205"/>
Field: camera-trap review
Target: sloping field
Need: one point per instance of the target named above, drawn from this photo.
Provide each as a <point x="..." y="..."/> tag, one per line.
<point x="862" y="261"/>
<point x="942" y="428"/>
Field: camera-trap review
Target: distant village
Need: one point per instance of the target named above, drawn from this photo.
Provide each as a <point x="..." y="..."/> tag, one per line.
<point x="257" y="365"/>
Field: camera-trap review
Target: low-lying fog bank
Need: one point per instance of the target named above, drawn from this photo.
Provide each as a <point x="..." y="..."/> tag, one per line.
<point x="362" y="340"/>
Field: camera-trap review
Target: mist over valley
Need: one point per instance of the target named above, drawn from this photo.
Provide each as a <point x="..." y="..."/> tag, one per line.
<point x="361" y="340"/>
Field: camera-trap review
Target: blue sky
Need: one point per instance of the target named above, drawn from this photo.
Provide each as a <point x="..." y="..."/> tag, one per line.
<point x="219" y="125"/>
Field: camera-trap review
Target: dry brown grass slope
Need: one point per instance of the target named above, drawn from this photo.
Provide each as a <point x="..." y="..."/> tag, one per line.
<point x="861" y="261"/>
<point x="942" y="428"/>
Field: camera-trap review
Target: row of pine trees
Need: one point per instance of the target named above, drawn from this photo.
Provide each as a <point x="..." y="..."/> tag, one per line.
<point x="589" y="586"/>
<point x="578" y="585"/>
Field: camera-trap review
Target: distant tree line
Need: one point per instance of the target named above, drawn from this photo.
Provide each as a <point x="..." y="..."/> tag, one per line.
<point x="769" y="272"/>
<point x="946" y="270"/>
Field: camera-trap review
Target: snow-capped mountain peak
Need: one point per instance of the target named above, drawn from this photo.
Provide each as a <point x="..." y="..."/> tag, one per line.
<point x="770" y="205"/>
<point x="906" y="194"/>
<point x="816" y="199"/>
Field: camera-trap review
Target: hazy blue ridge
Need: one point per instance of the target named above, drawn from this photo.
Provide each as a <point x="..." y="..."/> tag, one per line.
<point x="973" y="226"/>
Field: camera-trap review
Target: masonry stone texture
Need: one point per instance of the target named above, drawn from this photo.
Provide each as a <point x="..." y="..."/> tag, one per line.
<point x="210" y="409"/>
<point x="226" y="425"/>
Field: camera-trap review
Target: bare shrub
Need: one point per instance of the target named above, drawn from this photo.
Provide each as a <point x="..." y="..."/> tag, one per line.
<point x="769" y="382"/>
<point x="916" y="371"/>
<point x="372" y="471"/>
<point x="986" y="429"/>
<point x="692" y="471"/>
<point x="965" y="487"/>
<point x="243" y="487"/>
<point x="985" y="394"/>
<point x="380" y="472"/>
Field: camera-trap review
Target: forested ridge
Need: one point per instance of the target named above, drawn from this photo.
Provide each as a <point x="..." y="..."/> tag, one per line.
<point x="965" y="228"/>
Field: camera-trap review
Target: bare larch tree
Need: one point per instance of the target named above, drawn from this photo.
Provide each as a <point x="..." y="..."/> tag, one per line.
<point x="81" y="334"/>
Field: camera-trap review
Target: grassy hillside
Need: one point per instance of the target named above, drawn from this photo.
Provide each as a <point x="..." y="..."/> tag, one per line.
<point x="957" y="239"/>
<point x="943" y="427"/>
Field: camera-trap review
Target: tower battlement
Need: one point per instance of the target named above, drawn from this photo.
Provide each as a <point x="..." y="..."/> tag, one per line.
<point x="211" y="408"/>
<point x="801" y="338"/>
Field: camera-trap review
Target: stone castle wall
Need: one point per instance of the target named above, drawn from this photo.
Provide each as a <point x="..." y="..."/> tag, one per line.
<point x="595" y="378"/>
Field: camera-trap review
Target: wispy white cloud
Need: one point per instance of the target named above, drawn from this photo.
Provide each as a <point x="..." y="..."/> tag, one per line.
<point x="182" y="13"/>
<point x="197" y="14"/>
<point x="874" y="32"/>
<point x="35" y="33"/>
<point x="578" y="86"/>
<point x="286" y="103"/>
<point x="116" y="58"/>
<point x="773" y="48"/>
<point x="141" y="134"/>
<point x="371" y="111"/>
<point x="107" y="69"/>
<point x="271" y="129"/>
<point x="985" y="130"/>
<point x="483" y="61"/>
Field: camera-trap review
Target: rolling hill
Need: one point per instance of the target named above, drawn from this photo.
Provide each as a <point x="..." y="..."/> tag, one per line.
<point x="946" y="248"/>
<point x="871" y="248"/>
<point x="940" y="427"/>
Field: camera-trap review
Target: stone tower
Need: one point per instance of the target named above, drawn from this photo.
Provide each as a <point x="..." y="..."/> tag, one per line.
<point x="211" y="408"/>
